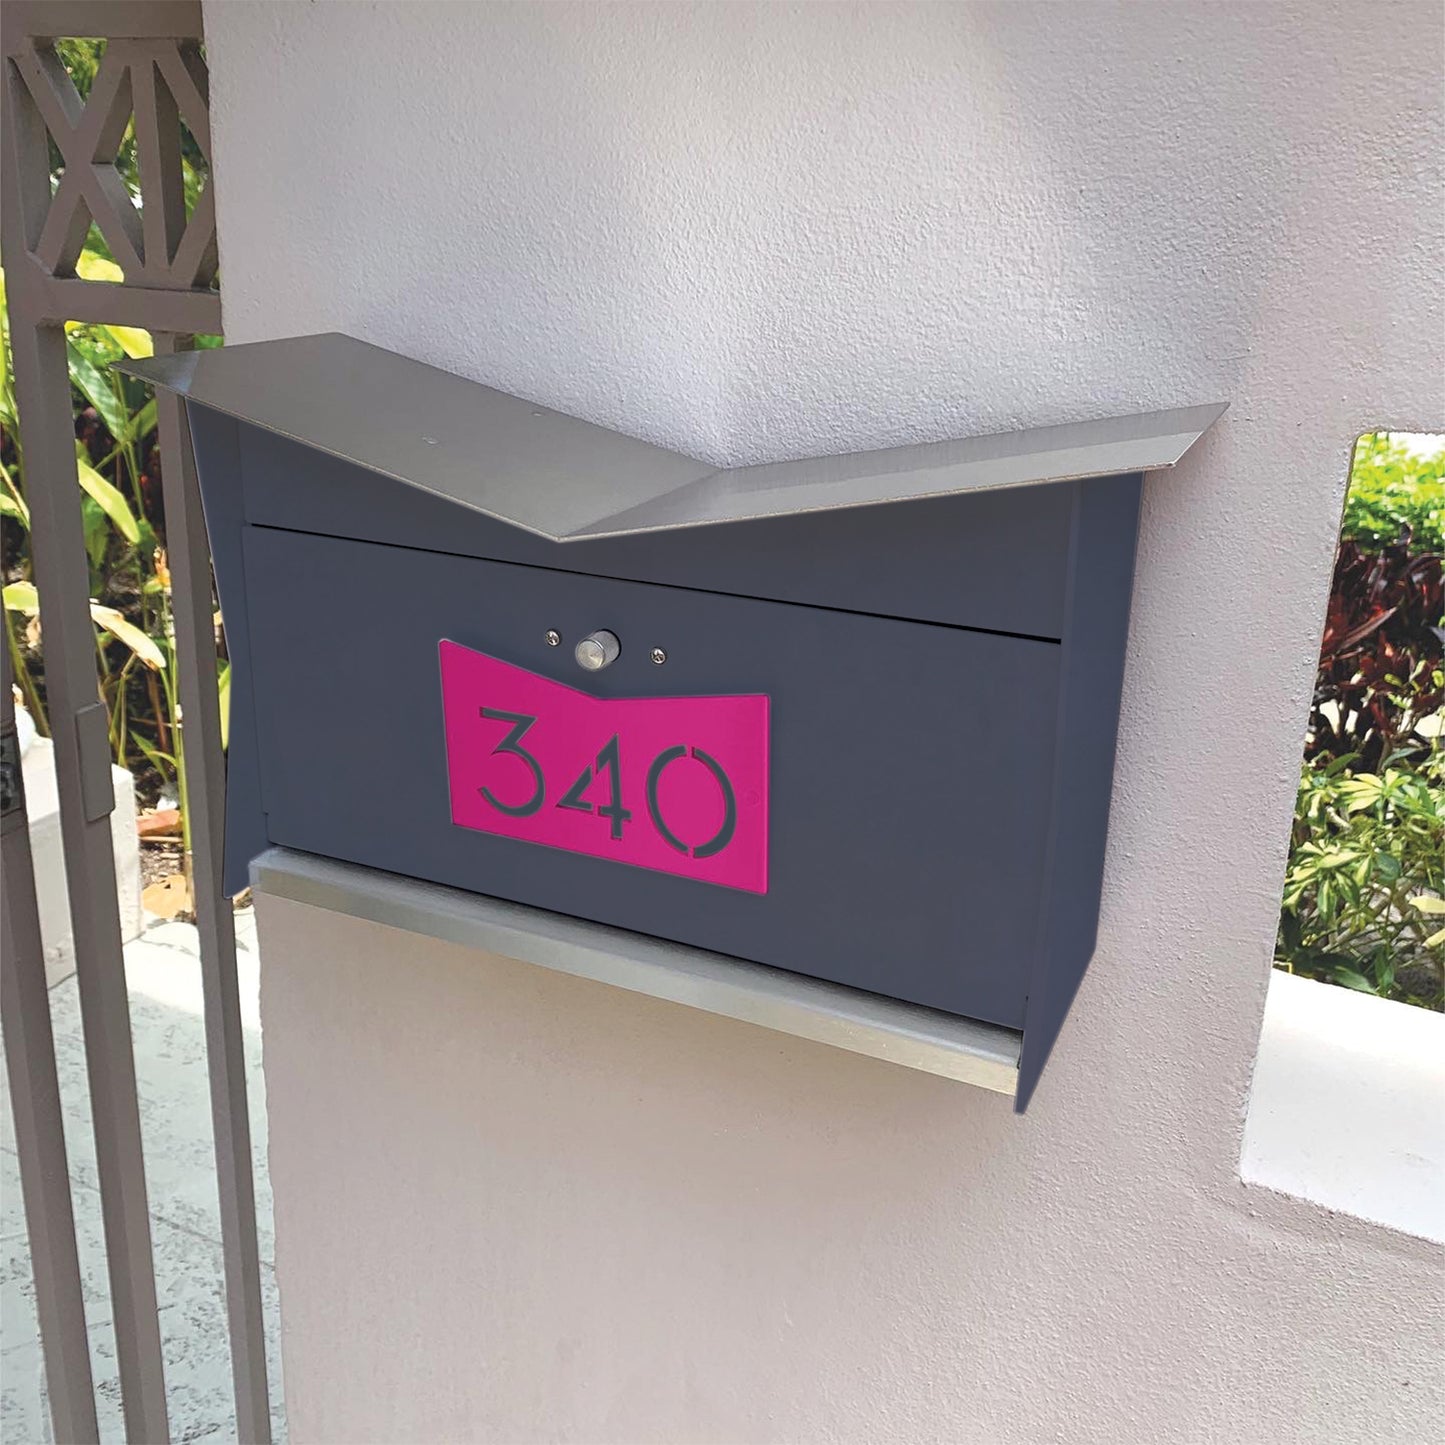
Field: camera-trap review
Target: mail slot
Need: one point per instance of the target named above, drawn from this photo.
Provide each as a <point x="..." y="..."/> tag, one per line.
<point x="852" y="718"/>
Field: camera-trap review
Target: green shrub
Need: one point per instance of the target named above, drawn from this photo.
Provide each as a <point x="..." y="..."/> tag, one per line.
<point x="1361" y="905"/>
<point x="1394" y="492"/>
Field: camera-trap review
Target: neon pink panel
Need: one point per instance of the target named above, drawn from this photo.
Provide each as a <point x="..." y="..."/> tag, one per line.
<point x="679" y="784"/>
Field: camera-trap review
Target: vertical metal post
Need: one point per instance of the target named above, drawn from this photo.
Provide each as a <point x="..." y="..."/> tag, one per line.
<point x="82" y="753"/>
<point x="205" y="771"/>
<point x="158" y="147"/>
<point x="35" y="1104"/>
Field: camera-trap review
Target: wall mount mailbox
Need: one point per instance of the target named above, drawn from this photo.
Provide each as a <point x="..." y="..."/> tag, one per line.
<point x="852" y="718"/>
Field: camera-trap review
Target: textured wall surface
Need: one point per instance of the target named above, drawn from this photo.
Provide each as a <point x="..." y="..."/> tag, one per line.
<point x="513" y="1206"/>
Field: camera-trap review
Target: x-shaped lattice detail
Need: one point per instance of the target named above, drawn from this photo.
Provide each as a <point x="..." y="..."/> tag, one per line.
<point x="160" y="82"/>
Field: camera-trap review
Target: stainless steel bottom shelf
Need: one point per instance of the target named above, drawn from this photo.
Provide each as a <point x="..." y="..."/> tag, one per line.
<point x="828" y="1013"/>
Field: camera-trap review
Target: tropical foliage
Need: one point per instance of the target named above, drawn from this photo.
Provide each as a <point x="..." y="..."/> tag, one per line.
<point x="1362" y="901"/>
<point x="1395" y="495"/>
<point x="122" y="510"/>
<point x="123" y="514"/>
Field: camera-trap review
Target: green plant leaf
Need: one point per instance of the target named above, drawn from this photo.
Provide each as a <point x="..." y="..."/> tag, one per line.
<point x="1351" y="979"/>
<point x="163" y="763"/>
<point x="1362" y="791"/>
<point x="22" y="597"/>
<point x="97" y="538"/>
<point x="143" y="423"/>
<point x="94" y="385"/>
<point x="123" y="630"/>
<point x="223" y="685"/>
<point x="132" y="340"/>
<point x="108" y="497"/>
<point x="1424" y="903"/>
<point x="90" y="266"/>
<point x="1387" y="867"/>
<point x="12" y="500"/>
<point x="4" y="337"/>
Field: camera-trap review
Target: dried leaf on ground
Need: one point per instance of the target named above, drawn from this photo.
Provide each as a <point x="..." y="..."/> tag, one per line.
<point x="168" y="898"/>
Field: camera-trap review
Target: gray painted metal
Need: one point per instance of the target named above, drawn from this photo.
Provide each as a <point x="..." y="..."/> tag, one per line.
<point x="144" y="19"/>
<point x="1100" y="583"/>
<point x="205" y="766"/>
<point x="97" y="788"/>
<point x="568" y="480"/>
<point x="882" y="1028"/>
<point x="218" y="470"/>
<point x="35" y="1106"/>
<point x="185" y="313"/>
<point x="978" y="561"/>
<point x="910" y="762"/>
<point x="42" y="386"/>
<point x="152" y="69"/>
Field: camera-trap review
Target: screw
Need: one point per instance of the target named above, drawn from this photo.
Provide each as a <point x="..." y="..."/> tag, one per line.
<point x="658" y="656"/>
<point x="552" y="637"/>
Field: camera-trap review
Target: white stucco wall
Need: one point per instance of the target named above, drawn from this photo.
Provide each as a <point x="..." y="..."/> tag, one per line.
<point x="515" y="1206"/>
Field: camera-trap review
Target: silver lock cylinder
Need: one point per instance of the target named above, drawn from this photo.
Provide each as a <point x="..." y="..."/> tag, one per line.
<point x="597" y="650"/>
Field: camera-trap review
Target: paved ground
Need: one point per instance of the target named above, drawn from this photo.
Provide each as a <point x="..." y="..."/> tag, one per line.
<point x="165" y="998"/>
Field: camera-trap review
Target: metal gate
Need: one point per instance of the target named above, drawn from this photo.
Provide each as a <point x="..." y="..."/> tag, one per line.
<point x="152" y="73"/>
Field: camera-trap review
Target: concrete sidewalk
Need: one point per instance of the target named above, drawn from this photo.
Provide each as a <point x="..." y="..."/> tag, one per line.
<point x="163" y="972"/>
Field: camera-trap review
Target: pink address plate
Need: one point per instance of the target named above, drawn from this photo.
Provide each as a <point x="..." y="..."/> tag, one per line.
<point x="678" y="784"/>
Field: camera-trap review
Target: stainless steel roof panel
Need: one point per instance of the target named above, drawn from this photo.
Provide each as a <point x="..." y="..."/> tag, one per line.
<point x="568" y="480"/>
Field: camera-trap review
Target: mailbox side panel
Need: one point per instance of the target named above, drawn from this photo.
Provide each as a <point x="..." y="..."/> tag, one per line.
<point x="215" y="439"/>
<point x="1096" y="637"/>
<point x="909" y="763"/>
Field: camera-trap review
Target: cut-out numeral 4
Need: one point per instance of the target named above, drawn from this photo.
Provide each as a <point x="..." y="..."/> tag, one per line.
<point x="609" y="760"/>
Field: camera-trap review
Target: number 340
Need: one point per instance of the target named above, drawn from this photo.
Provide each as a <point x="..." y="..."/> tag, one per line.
<point x="609" y="762"/>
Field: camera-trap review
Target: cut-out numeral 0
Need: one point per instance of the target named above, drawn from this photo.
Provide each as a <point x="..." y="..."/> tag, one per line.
<point x="724" y="834"/>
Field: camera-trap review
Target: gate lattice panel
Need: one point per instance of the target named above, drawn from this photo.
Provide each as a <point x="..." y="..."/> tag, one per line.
<point x="152" y="76"/>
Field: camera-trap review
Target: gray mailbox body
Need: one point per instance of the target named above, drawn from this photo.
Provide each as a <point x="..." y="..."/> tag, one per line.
<point x="939" y="632"/>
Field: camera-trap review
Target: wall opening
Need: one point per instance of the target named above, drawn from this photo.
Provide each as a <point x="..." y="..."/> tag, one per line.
<point x="1344" y="1107"/>
<point x="1362" y="904"/>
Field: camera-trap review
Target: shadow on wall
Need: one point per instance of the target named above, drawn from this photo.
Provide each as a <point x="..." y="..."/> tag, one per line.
<point x="754" y="291"/>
